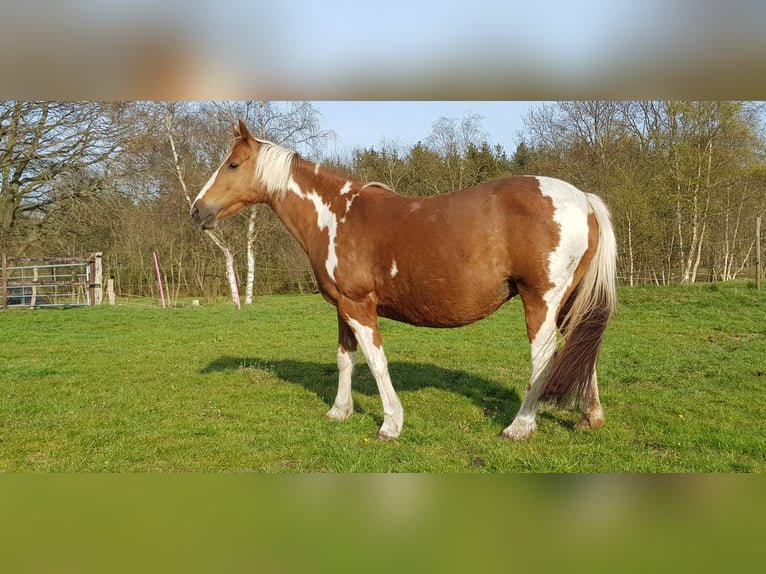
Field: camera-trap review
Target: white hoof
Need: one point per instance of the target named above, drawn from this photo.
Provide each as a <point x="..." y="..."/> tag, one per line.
<point x="340" y="412"/>
<point x="389" y="430"/>
<point x="519" y="429"/>
<point x="387" y="435"/>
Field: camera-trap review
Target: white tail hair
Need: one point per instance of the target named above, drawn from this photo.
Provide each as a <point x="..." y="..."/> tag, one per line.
<point x="597" y="287"/>
<point x="587" y="314"/>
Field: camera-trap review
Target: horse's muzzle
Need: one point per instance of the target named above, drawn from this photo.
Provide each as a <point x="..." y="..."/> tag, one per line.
<point x="206" y="219"/>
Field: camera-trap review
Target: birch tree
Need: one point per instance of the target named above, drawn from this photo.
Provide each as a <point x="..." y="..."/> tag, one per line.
<point x="170" y="109"/>
<point x="710" y="146"/>
<point x="681" y="177"/>
<point x="296" y="125"/>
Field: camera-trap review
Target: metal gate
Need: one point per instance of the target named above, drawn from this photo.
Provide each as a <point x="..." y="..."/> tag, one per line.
<point x="29" y="282"/>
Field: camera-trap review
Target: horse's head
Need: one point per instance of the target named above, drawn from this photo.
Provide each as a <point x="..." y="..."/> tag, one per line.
<point x="233" y="185"/>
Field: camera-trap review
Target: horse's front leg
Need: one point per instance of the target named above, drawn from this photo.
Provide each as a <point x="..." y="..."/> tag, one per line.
<point x="344" y="402"/>
<point x="362" y="318"/>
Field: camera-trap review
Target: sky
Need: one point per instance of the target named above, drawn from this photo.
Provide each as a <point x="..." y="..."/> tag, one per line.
<point x="367" y="124"/>
<point x="399" y="49"/>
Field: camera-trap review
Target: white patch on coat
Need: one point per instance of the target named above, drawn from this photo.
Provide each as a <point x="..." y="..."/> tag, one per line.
<point x="571" y="211"/>
<point x="346" y="188"/>
<point x="394" y="269"/>
<point x="325" y="220"/>
<point x="209" y="183"/>
<point x="349" y="201"/>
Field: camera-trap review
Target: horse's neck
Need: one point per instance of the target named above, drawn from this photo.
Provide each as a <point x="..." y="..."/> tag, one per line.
<point x="310" y="202"/>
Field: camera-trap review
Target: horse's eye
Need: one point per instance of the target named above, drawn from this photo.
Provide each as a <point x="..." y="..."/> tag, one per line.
<point x="233" y="166"/>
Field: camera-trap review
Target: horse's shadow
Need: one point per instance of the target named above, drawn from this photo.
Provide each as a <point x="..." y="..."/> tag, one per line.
<point x="496" y="401"/>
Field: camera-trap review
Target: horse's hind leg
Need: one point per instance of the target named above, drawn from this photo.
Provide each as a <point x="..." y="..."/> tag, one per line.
<point x="541" y="328"/>
<point x="592" y="413"/>
<point x="344" y="402"/>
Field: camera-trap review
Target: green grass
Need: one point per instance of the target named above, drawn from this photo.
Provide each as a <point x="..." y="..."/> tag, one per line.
<point x="213" y="389"/>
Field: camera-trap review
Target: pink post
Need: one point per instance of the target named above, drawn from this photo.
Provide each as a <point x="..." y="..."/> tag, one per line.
<point x="233" y="278"/>
<point x="159" y="278"/>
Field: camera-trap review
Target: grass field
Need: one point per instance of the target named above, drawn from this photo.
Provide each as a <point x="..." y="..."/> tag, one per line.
<point x="212" y="389"/>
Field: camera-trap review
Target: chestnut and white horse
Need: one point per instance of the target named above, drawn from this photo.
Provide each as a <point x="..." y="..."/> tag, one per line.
<point x="441" y="261"/>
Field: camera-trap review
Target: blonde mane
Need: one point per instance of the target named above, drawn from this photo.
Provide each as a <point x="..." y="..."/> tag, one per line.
<point x="274" y="167"/>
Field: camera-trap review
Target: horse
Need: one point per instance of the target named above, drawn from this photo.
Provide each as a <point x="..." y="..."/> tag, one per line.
<point x="442" y="261"/>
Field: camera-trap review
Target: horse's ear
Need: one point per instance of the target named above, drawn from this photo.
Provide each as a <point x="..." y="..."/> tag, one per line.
<point x="236" y="130"/>
<point x="243" y="133"/>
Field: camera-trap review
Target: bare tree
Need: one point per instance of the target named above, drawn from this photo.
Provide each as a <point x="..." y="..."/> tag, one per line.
<point x="296" y="125"/>
<point x="451" y="138"/>
<point x="50" y="152"/>
<point x="170" y="110"/>
<point x="679" y="176"/>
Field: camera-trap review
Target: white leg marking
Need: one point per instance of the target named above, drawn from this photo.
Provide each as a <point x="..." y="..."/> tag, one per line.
<point x="393" y="413"/>
<point x="543" y="349"/>
<point x="394" y="269"/>
<point x="344" y="403"/>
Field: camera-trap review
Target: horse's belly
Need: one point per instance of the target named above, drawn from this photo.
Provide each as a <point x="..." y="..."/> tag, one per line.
<point x="445" y="306"/>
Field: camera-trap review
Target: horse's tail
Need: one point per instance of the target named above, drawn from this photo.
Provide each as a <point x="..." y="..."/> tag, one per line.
<point x="584" y="318"/>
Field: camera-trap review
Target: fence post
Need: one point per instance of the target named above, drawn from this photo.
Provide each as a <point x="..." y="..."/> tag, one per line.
<point x="110" y="291"/>
<point x="95" y="261"/>
<point x="35" y="280"/>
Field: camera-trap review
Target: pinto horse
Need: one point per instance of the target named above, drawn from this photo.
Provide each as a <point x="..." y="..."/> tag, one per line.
<point x="441" y="261"/>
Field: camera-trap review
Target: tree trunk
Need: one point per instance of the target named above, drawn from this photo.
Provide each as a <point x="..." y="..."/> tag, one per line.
<point x="179" y="173"/>
<point x="251" y="235"/>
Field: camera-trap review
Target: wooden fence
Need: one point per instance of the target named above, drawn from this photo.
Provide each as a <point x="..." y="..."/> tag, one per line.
<point x="29" y="282"/>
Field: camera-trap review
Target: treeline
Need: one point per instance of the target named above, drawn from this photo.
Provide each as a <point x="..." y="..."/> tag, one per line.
<point x="119" y="177"/>
<point x="684" y="180"/>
